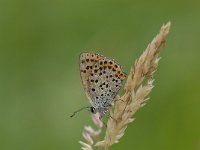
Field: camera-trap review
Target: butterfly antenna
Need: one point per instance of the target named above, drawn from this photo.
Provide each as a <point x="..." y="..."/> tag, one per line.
<point x="79" y="110"/>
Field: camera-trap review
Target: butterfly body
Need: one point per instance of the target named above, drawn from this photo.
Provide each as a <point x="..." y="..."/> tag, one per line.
<point x="102" y="79"/>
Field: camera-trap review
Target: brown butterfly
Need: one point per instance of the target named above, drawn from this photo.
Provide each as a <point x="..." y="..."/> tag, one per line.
<point x="102" y="79"/>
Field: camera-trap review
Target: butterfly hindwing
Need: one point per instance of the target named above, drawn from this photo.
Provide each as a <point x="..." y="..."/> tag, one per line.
<point x="105" y="81"/>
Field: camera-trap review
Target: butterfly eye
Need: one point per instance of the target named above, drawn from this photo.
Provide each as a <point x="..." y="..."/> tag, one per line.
<point x="93" y="110"/>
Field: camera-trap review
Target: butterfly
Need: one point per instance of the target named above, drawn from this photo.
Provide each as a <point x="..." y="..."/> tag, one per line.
<point x="102" y="79"/>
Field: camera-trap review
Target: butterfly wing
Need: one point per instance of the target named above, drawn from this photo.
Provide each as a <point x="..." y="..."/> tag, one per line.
<point x="106" y="80"/>
<point x="102" y="79"/>
<point x="87" y="61"/>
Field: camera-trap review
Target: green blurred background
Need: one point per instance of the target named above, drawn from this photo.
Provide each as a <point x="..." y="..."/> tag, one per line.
<point x="40" y="86"/>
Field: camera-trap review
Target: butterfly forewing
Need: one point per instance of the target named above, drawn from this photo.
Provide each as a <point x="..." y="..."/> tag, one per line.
<point x="87" y="61"/>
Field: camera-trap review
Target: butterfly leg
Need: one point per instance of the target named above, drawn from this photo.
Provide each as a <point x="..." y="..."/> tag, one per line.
<point x="119" y="99"/>
<point x="109" y="116"/>
<point x="112" y="118"/>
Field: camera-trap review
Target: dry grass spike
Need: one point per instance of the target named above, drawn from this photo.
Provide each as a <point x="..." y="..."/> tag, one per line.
<point x="136" y="90"/>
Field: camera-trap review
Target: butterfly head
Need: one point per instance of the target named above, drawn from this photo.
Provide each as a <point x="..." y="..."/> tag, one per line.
<point x="93" y="110"/>
<point x="101" y="110"/>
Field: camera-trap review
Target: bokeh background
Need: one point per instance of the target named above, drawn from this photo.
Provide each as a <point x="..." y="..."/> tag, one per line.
<point x="40" y="86"/>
